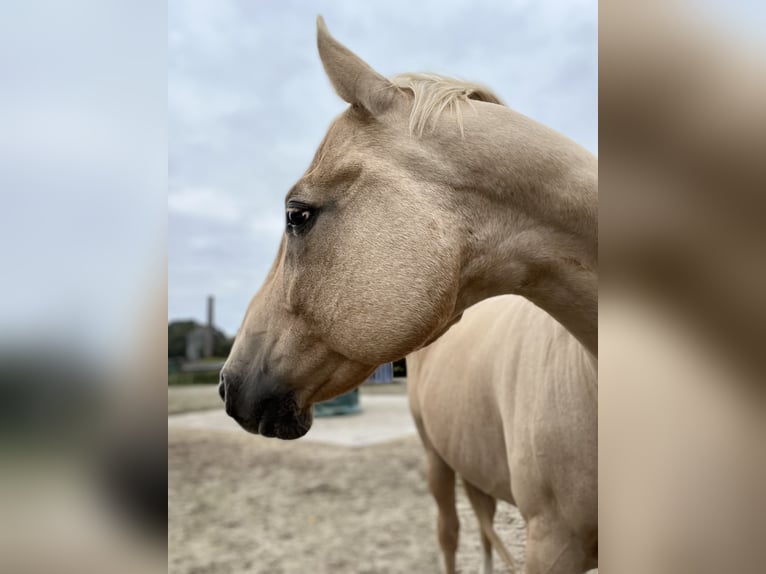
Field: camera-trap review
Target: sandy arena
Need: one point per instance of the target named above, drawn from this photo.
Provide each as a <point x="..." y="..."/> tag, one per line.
<point x="239" y="503"/>
<point x="348" y="498"/>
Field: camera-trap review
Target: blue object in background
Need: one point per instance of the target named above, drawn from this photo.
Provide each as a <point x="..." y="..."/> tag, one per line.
<point x="345" y="404"/>
<point x="348" y="403"/>
<point x="383" y="374"/>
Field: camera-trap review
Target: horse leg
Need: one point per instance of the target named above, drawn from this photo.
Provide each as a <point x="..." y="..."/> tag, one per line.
<point x="441" y="481"/>
<point x="552" y="548"/>
<point x="484" y="507"/>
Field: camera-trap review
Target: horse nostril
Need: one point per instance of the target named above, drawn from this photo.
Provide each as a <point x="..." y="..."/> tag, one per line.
<point x="222" y="386"/>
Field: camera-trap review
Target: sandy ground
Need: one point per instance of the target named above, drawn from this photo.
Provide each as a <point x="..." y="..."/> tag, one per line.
<point x="187" y="398"/>
<point x="239" y="503"/>
<point x="349" y="498"/>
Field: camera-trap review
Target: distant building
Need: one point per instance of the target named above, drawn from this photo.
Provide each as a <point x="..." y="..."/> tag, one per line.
<point x="201" y="340"/>
<point x="197" y="343"/>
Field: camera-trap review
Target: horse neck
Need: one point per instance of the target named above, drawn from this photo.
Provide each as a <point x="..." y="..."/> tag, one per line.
<point x="530" y="210"/>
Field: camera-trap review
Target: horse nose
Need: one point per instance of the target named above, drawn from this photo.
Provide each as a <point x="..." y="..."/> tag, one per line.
<point x="224" y="384"/>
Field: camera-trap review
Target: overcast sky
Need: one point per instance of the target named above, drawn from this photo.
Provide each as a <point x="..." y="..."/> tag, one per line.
<point x="248" y="104"/>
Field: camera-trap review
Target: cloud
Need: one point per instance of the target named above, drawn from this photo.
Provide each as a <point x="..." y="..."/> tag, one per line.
<point x="204" y="204"/>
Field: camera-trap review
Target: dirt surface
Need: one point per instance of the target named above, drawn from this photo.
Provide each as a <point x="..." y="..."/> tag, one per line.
<point x="190" y="398"/>
<point x="244" y="504"/>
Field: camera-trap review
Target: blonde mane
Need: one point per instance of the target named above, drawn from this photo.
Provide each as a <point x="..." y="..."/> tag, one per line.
<point x="434" y="93"/>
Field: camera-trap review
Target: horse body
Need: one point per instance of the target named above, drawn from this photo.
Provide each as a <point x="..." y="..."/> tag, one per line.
<point x="507" y="399"/>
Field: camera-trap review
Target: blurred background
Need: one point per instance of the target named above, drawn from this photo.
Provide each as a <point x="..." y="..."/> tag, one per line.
<point x="682" y="314"/>
<point x="83" y="181"/>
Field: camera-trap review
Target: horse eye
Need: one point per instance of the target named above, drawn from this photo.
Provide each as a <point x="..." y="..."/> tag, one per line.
<point x="298" y="217"/>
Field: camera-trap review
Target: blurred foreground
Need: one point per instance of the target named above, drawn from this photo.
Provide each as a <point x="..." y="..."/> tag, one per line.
<point x="682" y="307"/>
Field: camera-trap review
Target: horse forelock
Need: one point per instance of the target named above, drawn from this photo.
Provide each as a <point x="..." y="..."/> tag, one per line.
<point x="434" y="93"/>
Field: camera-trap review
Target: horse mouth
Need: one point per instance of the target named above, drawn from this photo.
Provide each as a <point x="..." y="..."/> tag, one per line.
<point x="281" y="425"/>
<point x="285" y="428"/>
<point x="266" y="408"/>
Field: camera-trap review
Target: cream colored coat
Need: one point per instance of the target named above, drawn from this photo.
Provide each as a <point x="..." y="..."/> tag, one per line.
<point x="507" y="399"/>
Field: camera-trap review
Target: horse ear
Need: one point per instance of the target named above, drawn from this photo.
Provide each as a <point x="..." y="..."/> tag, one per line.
<point x="354" y="81"/>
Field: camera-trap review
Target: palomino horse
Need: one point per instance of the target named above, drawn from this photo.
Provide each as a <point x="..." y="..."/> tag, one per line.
<point x="507" y="399"/>
<point x="425" y="197"/>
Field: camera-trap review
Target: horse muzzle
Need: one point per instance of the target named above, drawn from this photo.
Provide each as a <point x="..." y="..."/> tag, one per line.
<point x="264" y="407"/>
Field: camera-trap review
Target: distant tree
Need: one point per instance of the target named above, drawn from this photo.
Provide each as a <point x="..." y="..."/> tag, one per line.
<point x="222" y="344"/>
<point x="177" y="332"/>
